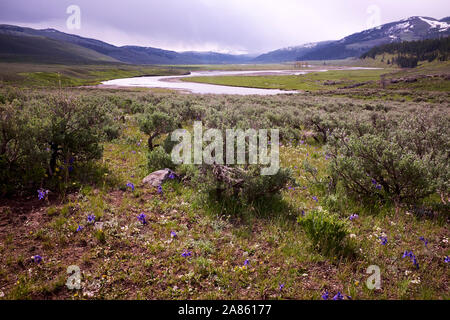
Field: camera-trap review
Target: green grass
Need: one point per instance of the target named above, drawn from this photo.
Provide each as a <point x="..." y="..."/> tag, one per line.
<point x="128" y="260"/>
<point x="311" y="82"/>
<point x="54" y="75"/>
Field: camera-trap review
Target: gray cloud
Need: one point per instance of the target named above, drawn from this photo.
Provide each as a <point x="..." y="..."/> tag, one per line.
<point x="220" y="25"/>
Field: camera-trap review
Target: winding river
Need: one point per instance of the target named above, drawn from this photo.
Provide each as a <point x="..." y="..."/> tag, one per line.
<point x="174" y="82"/>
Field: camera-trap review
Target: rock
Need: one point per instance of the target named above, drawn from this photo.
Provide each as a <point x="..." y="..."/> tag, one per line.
<point x="156" y="178"/>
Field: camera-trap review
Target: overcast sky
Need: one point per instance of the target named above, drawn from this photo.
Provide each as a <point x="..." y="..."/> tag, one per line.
<point x="237" y="26"/>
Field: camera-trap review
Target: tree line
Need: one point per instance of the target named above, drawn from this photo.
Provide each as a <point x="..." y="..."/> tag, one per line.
<point x="410" y="53"/>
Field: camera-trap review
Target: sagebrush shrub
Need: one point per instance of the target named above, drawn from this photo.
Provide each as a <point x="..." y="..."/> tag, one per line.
<point x="158" y="159"/>
<point x="327" y="232"/>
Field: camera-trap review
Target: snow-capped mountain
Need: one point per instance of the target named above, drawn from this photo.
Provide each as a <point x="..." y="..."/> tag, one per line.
<point x="410" y="29"/>
<point x="290" y="53"/>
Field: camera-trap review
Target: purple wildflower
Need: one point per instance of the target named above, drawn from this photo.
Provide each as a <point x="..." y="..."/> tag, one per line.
<point x="325" y="295"/>
<point x="338" y="296"/>
<point x="130" y="185"/>
<point x="42" y="193"/>
<point x="446" y="259"/>
<point x="246" y="262"/>
<point x="410" y="255"/>
<point x="315" y="199"/>
<point x="36" y="259"/>
<point x="186" y="253"/>
<point x="160" y="189"/>
<point x="353" y="217"/>
<point x="425" y="241"/>
<point x="142" y="217"/>
<point x="384" y="240"/>
<point x="79" y="228"/>
<point x="173" y="234"/>
<point x="281" y="287"/>
<point x="91" y="218"/>
<point x="171" y="176"/>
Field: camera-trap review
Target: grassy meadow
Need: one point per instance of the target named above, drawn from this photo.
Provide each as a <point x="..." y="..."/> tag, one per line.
<point x="193" y="245"/>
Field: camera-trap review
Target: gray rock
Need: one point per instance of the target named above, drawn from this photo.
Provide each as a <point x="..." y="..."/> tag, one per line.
<point x="156" y="178"/>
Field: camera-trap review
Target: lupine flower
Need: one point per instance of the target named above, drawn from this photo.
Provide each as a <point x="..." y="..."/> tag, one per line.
<point x="412" y="257"/>
<point x="425" y="241"/>
<point x="171" y="176"/>
<point x="91" y="218"/>
<point x="36" y="259"/>
<point x="186" y="253"/>
<point x="281" y="287"/>
<point x="338" y="296"/>
<point x="376" y="184"/>
<point x="130" y="185"/>
<point x="142" y="217"/>
<point x="384" y="240"/>
<point x="133" y="152"/>
<point x="79" y="228"/>
<point x="446" y="259"/>
<point x="173" y="234"/>
<point x="353" y="217"/>
<point x="315" y="199"/>
<point x="325" y="295"/>
<point x="246" y="262"/>
<point x="42" y="193"/>
<point x="160" y="189"/>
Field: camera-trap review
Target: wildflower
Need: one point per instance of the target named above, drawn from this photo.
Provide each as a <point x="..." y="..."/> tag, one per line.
<point x="353" y="217"/>
<point x="173" y="234"/>
<point x="42" y="193"/>
<point x="315" y="199"/>
<point x="133" y="152"/>
<point x="160" y="189"/>
<point x="70" y="168"/>
<point x="36" y="258"/>
<point x="376" y="184"/>
<point x="79" y="228"/>
<point x="142" y="217"/>
<point x="171" y="176"/>
<point x="325" y="295"/>
<point x="246" y="262"/>
<point x="383" y="240"/>
<point x="410" y="255"/>
<point x="425" y="241"/>
<point x="130" y="185"/>
<point x="91" y="218"/>
<point x="446" y="259"/>
<point x="338" y="296"/>
<point x="186" y="253"/>
<point x="281" y="287"/>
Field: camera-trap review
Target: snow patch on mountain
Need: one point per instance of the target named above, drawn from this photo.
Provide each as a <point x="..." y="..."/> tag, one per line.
<point x="442" y="26"/>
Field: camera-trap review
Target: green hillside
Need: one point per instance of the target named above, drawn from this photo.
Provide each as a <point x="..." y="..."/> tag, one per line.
<point x="45" y="50"/>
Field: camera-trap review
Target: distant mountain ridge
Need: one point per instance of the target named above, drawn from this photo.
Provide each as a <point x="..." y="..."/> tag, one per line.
<point x="14" y="39"/>
<point x="411" y="29"/>
<point x="53" y="46"/>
